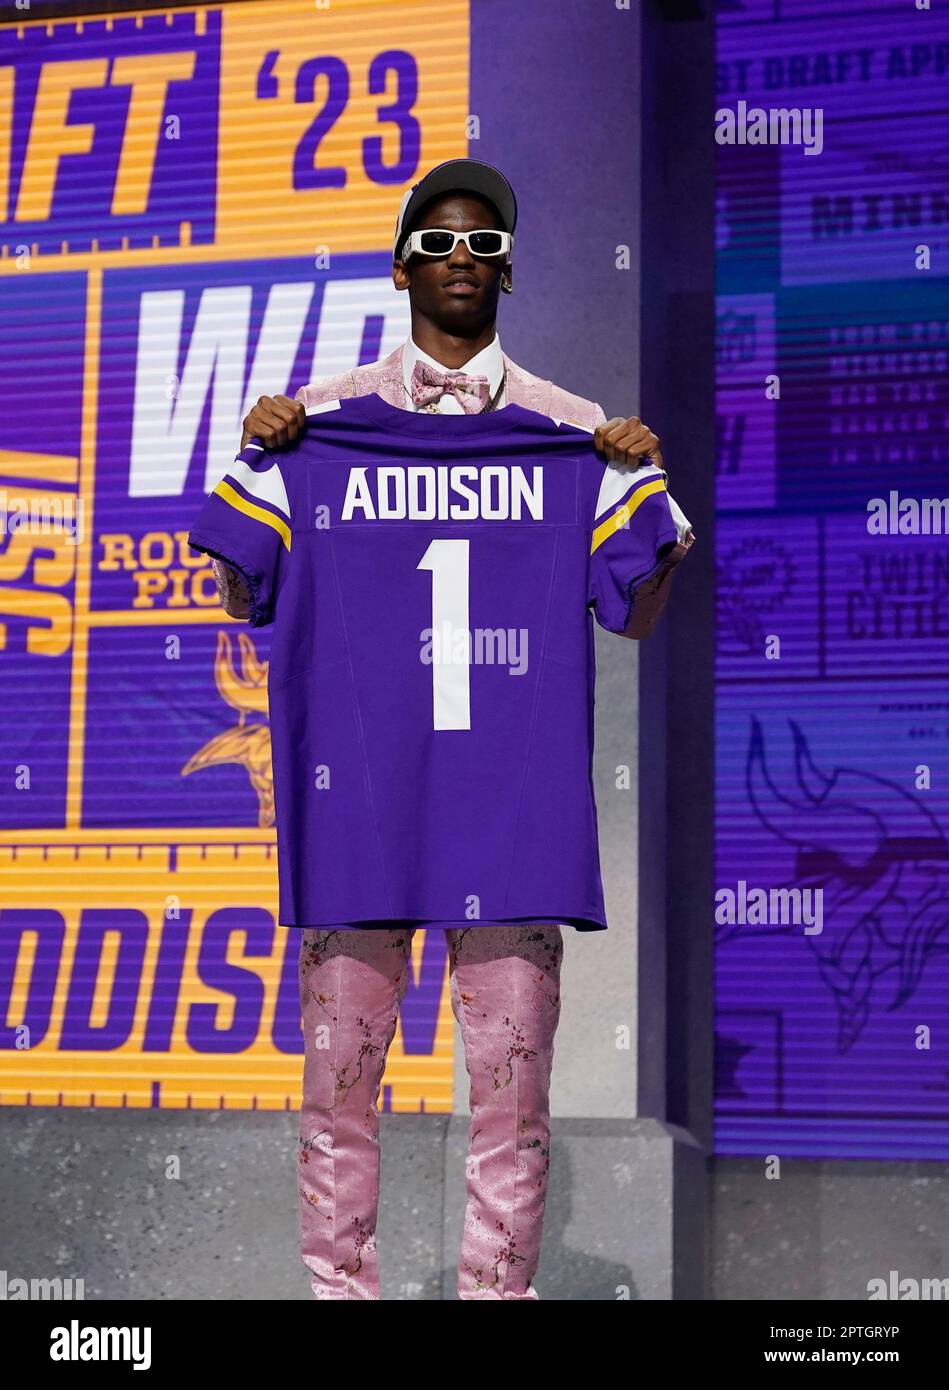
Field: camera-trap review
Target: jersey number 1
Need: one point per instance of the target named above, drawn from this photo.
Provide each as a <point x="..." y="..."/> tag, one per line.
<point x="451" y="639"/>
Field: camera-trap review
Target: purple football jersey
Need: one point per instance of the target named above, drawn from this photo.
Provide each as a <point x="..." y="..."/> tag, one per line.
<point x="432" y="581"/>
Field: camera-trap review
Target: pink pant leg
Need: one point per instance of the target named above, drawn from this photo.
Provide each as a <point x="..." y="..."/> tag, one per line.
<point x="351" y="986"/>
<point x="505" y="992"/>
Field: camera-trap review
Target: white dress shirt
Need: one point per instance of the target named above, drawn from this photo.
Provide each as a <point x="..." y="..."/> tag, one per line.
<point x="488" y="362"/>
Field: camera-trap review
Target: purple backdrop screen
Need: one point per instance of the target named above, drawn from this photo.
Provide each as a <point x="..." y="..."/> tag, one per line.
<point x="832" y="999"/>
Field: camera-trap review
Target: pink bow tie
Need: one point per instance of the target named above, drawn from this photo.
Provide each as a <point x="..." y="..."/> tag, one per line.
<point x="429" y="384"/>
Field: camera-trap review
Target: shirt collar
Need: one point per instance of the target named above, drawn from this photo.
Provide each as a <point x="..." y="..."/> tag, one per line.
<point x="488" y="362"/>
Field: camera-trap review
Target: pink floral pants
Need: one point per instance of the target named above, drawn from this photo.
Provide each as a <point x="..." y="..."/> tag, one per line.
<point x="505" y="994"/>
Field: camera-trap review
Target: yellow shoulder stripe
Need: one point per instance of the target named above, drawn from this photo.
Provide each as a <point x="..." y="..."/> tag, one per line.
<point x="225" y="491"/>
<point x="623" y="513"/>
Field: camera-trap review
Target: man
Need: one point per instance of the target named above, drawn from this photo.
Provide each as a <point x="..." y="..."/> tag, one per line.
<point x="454" y="302"/>
<point x="504" y="979"/>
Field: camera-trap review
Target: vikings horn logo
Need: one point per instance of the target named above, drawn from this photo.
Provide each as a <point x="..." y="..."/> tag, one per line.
<point x="244" y="743"/>
<point x="882" y="860"/>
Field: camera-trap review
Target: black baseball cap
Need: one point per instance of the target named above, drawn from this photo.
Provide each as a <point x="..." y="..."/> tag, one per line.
<point x="470" y="175"/>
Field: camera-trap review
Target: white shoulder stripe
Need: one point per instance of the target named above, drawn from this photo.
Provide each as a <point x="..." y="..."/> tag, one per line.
<point x="268" y="486"/>
<point x="683" y="524"/>
<point x="618" y="480"/>
<point x="326" y="405"/>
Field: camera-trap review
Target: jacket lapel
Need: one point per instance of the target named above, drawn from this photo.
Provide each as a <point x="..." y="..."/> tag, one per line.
<point x="522" y="389"/>
<point x="391" y="384"/>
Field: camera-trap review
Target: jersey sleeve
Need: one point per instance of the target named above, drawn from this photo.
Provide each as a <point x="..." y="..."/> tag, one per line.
<point x="633" y="530"/>
<point x="246" y="523"/>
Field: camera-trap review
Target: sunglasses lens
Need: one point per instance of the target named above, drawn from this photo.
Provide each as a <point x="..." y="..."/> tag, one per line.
<point x="486" y="243"/>
<point x="437" y="243"/>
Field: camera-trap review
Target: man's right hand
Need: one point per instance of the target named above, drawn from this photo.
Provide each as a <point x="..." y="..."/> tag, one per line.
<point x="276" y="420"/>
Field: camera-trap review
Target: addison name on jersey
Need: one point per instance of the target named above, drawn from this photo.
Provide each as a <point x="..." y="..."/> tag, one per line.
<point x="425" y="493"/>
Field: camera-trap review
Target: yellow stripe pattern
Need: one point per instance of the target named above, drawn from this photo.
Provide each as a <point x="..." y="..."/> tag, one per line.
<point x="228" y="494"/>
<point x="623" y="513"/>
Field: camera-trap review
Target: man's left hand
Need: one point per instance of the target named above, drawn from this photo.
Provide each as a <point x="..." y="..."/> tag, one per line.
<point x="627" y="441"/>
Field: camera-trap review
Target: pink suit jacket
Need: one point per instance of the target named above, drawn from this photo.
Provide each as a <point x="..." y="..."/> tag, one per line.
<point x="385" y="378"/>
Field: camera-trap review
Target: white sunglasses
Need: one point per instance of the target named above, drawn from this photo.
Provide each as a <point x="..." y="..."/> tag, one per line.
<point x="441" y="241"/>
